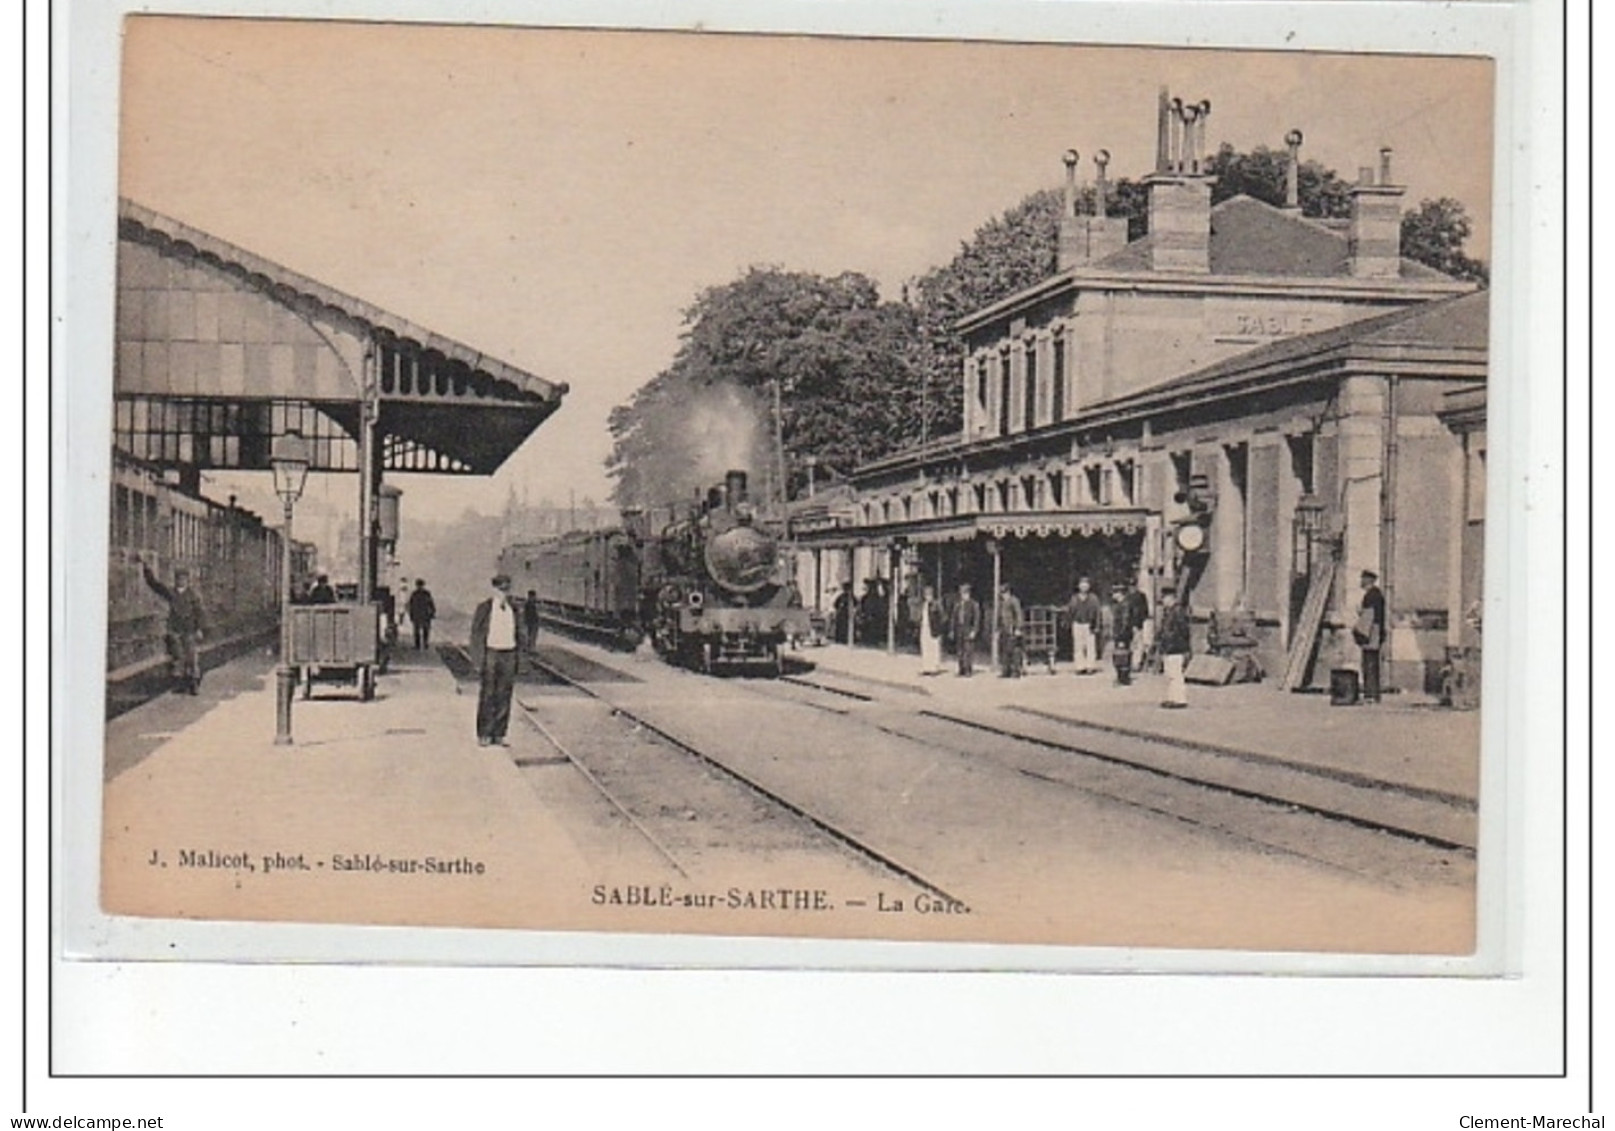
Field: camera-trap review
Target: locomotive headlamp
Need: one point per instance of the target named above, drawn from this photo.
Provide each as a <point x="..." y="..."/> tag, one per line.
<point x="697" y="599"/>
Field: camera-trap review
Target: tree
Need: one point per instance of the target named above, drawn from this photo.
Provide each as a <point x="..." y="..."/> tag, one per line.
<point x="1006" y="254"/>
<point x="840" y="359"/>
<point x="1435" y="233"/>
<point x="1262" y="173"/>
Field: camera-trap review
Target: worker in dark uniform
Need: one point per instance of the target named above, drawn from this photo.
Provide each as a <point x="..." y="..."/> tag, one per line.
<point x="845" y="614"/>
<point x="1011" y="624"/>
<point x="1172" y="635"/>
<point x="187" y="622"/>
<point x="1122" y="630"/>
<point x="1138" y="617"/>
<point x="966" y="625"/>
<point x="422" y="610"/>
<point x="321" y="593"/>
<point x="1369" y="633"/>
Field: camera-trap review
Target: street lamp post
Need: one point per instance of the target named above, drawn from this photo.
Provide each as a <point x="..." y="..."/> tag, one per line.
<point x="289" y="460"/>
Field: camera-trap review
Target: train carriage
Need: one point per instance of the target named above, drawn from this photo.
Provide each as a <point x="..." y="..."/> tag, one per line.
<point x="234" y="561"/>
<point x="585" y="581"/>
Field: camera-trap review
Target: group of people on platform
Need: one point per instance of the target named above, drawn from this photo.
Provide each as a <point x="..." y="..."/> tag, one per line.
<point x="1121" y="626"/>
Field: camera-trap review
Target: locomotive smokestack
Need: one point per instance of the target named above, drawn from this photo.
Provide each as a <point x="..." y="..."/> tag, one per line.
<point x="734" y="487"/>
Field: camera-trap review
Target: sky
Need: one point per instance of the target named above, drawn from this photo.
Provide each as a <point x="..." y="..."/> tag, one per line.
<point x="557" y="198"/>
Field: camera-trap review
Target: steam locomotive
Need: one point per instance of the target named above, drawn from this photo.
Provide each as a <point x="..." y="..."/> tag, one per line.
<point x="706" y="587"/>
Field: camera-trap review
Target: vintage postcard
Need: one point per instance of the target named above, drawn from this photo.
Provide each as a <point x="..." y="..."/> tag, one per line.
<point x="753" y="485"/>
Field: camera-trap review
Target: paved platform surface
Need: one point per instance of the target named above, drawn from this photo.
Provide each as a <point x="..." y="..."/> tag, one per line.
<point x="381" y="812"/>
<point x="1406" y="740"/>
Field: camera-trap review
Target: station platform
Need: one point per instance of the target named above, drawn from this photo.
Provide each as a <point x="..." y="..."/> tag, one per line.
<point x="384" y="812"/>
<point x="1406" y="740"/>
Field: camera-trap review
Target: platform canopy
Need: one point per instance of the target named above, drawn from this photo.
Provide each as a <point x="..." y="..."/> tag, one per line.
<point x="220" y="350"/>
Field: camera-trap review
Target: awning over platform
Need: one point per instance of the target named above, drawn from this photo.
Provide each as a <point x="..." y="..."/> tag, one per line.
<point x="219" y="349"/>
<point x="1085" y="523"/>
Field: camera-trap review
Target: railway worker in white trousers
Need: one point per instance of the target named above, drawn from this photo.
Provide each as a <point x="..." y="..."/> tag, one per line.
<point x="932" y="619"/>
<point x="1172" y="629"/>
<point x="1084" y="612"/>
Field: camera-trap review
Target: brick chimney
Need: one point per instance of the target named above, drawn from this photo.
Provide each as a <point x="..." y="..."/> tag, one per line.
<point x="1084" y="239"/>
<point x="1375" y="243"/>
<point x="1180" y="189"/>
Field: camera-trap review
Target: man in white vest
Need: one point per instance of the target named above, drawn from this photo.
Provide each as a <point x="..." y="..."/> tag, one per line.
<point x="496" y="643"/>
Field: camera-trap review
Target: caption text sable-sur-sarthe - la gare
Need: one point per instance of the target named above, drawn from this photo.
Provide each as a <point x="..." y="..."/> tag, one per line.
<point x="649" y="895"/>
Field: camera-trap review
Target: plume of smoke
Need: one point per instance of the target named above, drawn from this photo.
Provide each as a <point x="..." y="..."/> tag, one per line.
<point x="692" y="439"/>
<point x="725" y="432"/>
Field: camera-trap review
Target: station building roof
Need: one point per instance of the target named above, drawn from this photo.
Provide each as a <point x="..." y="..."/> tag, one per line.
<point x="1252" y="237"/>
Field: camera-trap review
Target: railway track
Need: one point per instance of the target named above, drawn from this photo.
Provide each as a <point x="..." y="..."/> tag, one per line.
<point x="610" y="782"/>
<point x="1399" y="838"/>
<point x="1242" y="793"/>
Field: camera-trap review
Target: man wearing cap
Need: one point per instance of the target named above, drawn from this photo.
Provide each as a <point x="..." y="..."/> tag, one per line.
<point x="1172" y="634"/>
<point x="1369" y="633"/>
<point x="496" y="642"/>
<point x="966" y="625"/>
<point x="1121" y="634"/>
<point x="321" y="593"/>
<point x="1011" y="623"/>
<point x="186" y="624"/>
<point x="422" y="611"/>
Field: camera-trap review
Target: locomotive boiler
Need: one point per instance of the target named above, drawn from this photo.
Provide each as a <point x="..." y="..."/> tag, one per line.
<point x="707" y="588"/>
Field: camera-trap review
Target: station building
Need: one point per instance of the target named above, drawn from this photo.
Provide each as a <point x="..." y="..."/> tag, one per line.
<point x="1248" y="403"/>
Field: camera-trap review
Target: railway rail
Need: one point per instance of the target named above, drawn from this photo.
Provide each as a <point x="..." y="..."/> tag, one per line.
<point x="821" y="825"/>
<point x="1404" y="811"/>
<point x="1255" y="797"/>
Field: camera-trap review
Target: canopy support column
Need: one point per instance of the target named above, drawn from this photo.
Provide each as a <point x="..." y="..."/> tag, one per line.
<point x="894" y="557"/>
<point x="369" y="474"/>
<point x="996" y="551"/>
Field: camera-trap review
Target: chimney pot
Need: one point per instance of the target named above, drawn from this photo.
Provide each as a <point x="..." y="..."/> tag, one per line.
<point x="1292" y="173"/>
<point x="1163" y="146"/>
<point x="1101" y="185"/>
<point x="1365" y="175"/>
<point x="1070" y="157"/>
<point x="1385" y="165"/>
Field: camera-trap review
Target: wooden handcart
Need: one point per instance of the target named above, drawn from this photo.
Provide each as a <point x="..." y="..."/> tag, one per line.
<point x="336" y="644"/>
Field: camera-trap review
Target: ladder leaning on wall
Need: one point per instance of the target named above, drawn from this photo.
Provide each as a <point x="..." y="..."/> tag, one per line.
<point x="1304" y="645"/>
